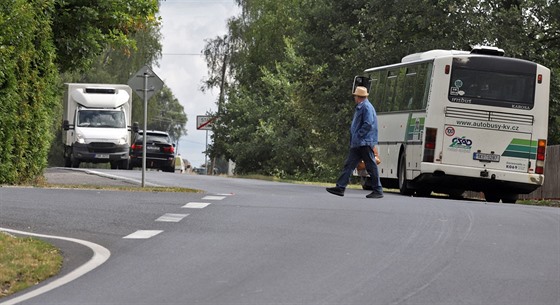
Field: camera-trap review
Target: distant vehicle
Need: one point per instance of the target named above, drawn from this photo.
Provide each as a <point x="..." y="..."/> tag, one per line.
<point x="160" y="152"/>
<point x="451" y="121"/>
<point x="96" y="124"/>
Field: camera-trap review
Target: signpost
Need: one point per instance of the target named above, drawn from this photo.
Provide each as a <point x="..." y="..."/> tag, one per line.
<point x="145" y="83"/>
<point x="205" y="122"/>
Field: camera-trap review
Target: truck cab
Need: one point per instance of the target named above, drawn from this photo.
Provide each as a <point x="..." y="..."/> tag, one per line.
<point x="96" y="124"/>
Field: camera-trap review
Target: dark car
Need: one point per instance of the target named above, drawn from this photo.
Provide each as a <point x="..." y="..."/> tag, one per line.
<point x="160" y="152"/>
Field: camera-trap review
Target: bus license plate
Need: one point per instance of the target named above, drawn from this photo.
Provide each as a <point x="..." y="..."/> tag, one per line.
<point x="486" y="157"/>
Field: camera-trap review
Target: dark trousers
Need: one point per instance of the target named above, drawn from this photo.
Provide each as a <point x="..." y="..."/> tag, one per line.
<point x="356" y="155"/>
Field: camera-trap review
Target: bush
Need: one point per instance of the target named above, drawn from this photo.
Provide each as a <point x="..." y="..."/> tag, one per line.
<point x="28" y="89"/>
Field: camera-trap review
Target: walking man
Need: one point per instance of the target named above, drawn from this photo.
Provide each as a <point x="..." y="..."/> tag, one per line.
<point x="363" y="133"/>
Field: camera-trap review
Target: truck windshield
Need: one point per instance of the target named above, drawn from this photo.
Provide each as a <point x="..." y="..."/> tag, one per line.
<point x="101" y="118"/>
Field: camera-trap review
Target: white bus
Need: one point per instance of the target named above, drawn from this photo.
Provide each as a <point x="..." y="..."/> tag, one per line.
<point x="452" y="121"/>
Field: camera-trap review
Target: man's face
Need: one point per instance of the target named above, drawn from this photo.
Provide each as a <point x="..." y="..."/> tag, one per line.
<point x="358" y="99"/>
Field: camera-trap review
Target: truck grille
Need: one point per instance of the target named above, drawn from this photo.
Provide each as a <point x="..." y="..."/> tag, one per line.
<point x="101" y="147"/>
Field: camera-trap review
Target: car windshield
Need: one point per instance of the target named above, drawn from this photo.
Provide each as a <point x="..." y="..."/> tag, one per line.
<point x="101" y="119"/>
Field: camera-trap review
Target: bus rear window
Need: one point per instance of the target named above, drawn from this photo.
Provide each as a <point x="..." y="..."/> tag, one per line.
<point x="475" y="83"/>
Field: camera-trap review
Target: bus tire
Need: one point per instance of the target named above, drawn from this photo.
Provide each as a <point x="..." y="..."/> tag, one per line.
<point x="403" y="182"/>
<point x="509" y="198"/>
<point x="491" y="197"/>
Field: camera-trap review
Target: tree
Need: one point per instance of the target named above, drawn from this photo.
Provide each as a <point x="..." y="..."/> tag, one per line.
<point x="99" y="24"/>
<point x="291" y="64"/>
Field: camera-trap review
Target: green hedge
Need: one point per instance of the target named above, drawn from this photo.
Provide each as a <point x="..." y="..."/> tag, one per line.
<point x="28" y="88"/>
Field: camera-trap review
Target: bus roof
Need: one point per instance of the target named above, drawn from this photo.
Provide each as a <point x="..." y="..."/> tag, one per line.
<point x="420" y="57"/>
<point x="432" y="54"/>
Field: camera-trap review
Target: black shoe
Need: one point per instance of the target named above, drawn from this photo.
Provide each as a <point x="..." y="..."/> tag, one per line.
<point x="336" y="191"/>
<point x="374" y="195"/>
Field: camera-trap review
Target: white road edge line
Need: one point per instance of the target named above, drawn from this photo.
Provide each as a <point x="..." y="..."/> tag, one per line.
<point x="100" y="256"/>
<point x="110" y="176"/>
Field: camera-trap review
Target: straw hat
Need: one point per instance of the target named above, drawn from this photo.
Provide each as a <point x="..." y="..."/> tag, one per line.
<point x="360" y="91"/>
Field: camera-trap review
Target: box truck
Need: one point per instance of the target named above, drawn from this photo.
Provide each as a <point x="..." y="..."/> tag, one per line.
<point x="96" y="124"/>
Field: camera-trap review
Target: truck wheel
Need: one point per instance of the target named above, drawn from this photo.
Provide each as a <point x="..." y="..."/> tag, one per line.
<point x="75" y="162"/>
<point x="123" y="164"/>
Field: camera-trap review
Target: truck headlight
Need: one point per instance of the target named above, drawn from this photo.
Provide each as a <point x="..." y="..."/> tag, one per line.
<point x="80" y="138"/>
<point x="122" y="141"/>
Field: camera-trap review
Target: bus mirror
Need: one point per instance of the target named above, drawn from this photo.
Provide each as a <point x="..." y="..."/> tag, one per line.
<point x="363" y="81"/>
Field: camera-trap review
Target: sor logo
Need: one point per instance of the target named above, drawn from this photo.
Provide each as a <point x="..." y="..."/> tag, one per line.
<point x="450" y="131"/>
<point x="461" y="142"/>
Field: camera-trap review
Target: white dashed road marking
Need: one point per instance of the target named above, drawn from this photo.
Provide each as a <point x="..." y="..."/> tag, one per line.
<point x="196" y="205"/>
<point x="143" y="234"/>
<point x="213" y="197"/>
<point x="170" y="217"/>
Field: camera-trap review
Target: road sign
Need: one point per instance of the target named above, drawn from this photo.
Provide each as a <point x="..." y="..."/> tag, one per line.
<point x="136" y="82"/>
<point x="204" y="122"/>
<point x="145" y="83"/>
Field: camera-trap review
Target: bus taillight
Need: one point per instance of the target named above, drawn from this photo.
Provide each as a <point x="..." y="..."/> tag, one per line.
<point x="541" y="152"/>
<point x="430" y="145"/>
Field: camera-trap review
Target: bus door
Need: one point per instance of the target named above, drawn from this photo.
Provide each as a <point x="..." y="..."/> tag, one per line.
<point x="488" y="139"/>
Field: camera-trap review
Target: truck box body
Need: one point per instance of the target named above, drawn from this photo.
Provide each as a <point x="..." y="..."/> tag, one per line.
<point x="97" y="124"/>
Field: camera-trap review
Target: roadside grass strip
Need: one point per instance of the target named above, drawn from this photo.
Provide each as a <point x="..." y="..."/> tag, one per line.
<point x="100" y="255"/>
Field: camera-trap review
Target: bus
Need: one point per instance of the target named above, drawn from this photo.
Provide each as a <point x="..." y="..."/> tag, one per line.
<point x="454" y="121"/>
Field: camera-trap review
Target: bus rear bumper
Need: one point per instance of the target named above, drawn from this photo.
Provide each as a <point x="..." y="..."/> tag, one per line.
<point x="442" y="177"/>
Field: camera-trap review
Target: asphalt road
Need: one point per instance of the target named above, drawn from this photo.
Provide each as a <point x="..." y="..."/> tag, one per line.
<point x="255" y="242"/>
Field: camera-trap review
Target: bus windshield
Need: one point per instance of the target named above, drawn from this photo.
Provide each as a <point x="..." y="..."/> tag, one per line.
<point x="477" y="83"/>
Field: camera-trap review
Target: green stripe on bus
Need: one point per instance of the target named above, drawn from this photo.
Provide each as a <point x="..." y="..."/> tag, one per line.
<point x="523" y="142"/>
<point x="519" y="154"/>
<point x="520" y="148"/>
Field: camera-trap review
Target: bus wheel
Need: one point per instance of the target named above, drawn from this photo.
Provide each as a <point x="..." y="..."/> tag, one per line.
<point x="423" y="193"/>
<point x="403" y="182"/>
<point x="509" y="198"/>
<point x="491" y="197"/>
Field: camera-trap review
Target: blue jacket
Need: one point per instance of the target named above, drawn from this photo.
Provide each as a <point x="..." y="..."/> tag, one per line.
<point x="363" y="130"/>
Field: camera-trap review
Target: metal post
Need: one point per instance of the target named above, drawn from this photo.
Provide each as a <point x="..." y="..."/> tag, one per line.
<point x="206" y="154"/>
<point x="146" y="75"/>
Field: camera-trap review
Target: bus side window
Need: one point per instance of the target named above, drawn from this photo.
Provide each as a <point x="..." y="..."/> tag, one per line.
<point x="390" y="91"/>
<point x="381" y="93"/>
<point x="409" y="86"/>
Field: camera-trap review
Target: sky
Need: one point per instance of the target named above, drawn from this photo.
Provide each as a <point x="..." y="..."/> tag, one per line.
<point x="185" y="26"/>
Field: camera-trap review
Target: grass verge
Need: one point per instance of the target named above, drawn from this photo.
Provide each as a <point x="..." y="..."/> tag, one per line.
<point x="25" y="262"/>
<point x="121" y="188"/>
